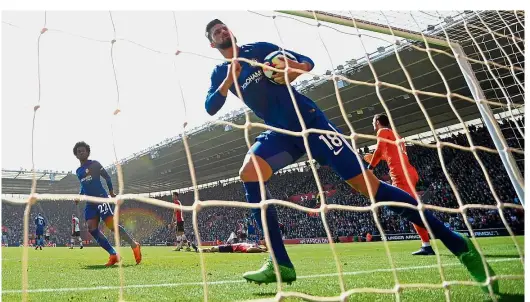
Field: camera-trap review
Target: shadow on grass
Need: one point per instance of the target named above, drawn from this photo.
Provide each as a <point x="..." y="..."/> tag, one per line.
<point x="102" y="266"/>
<point x="511" y="297"/>
<point x="501" y="256"/>
<point x="270" y="294"/>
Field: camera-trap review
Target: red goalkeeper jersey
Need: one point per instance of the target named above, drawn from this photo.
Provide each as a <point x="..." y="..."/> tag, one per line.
<point x="390" y="153"/>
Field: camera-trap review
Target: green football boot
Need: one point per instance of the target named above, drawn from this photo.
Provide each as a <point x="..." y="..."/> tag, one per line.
<point x="473" y="262"/>
<point x="266" y="274"/>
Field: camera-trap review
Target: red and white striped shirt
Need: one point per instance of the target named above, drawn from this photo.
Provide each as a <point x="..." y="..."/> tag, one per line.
<point x="178" y="213"/>
<point x="75" y="224"/>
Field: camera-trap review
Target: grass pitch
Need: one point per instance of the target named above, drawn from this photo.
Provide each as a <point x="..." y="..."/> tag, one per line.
<point x="61" y="274"/>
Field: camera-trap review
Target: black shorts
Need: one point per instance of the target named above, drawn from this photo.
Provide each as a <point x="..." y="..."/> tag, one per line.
<point x="180" y="226"/>
<point x="47" y="238"/>
<point x="243" y="235"/>
<point x="76" y="234"/>
<point x="226" y="248"/>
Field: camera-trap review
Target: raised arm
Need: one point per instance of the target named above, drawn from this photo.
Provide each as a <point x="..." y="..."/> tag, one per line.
<point x="220" y="84"/>
<point x="306" y="63"/>
<point x="379" y="149"/>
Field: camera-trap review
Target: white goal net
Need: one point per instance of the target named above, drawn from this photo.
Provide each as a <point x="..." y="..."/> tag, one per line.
<point x="438" y="68"/>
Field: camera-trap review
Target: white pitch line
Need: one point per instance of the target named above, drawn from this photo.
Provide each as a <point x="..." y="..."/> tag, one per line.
<point x="64" y="258"/>
<point x="382" y="270"/>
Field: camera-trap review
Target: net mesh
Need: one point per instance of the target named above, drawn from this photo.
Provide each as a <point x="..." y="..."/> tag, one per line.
<point x="489" y="42"/>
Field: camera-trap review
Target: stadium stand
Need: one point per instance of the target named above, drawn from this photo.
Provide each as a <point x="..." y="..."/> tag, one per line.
<point x="216" y="223"/>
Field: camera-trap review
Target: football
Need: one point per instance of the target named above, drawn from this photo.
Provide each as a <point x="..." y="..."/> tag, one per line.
<point x="274" y="61"/>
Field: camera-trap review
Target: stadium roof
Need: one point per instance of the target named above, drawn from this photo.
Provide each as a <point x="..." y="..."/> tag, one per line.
<point x="217" y="152"/>
<point x="39" y="175"/>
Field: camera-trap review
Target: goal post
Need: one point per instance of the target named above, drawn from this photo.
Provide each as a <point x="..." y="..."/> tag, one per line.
<point x="471" y="80"/>
<point x="331" y="217"/>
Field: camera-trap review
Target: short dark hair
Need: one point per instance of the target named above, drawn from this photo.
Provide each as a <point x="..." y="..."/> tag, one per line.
<point x="382" y="119"/>
<point x="81" y="144"/>
<point x="175" y="194"/>
<point x="209" y="27"/>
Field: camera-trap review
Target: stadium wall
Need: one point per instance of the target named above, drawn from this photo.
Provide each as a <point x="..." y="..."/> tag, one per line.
<point x="494" y="232"/>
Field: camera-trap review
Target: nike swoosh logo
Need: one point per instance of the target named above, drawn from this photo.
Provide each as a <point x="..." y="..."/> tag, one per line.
<point x="338" y="151"/>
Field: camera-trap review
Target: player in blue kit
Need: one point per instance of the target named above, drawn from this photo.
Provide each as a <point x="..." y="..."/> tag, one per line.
<point x="272" y="103"/>
<point x="89" y="174"/>
<point x="251" y="230"/>
<point x="40" y="224"/>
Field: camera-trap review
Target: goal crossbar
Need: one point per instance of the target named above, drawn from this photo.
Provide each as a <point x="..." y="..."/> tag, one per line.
<point x="472" y="82"/>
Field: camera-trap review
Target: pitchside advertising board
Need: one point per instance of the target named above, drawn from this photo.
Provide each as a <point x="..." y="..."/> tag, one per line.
<point x="478" y="233"/>
<point x="399" y="237"/>
<point x="344" y="239"/>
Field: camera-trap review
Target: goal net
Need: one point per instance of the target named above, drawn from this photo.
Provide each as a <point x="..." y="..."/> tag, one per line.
<point x="426" y="70"/>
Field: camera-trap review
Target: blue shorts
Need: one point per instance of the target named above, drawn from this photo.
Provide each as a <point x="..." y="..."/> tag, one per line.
<point x="280" y="150"/>
<point x="250" y="230"/>
<point x="39" y="232"/>
<point x="98" y="210"/>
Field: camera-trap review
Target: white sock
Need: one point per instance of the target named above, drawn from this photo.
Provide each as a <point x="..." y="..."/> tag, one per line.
<point x="179" y="242"/>
<point x="425" y="244"/>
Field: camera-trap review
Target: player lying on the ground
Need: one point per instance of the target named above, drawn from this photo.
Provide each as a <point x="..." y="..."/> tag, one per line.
<point x="236" y="248"/>
<point x="390" y="154"/>
<point x="273" y="150"/>
<point x="89" y="174"/>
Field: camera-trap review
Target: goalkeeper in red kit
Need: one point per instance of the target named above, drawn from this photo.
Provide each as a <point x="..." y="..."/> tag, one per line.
<point x="390" y="153"/>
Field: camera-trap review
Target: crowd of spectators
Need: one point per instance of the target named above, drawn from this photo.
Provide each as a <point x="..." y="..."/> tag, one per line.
<point x="151" y="224"/>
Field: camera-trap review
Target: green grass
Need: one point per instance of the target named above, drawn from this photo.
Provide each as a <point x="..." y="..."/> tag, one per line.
<point x="165" y="275"/>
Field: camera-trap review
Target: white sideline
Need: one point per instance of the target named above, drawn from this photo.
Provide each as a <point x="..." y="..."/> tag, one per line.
<point x="382" y="270"/>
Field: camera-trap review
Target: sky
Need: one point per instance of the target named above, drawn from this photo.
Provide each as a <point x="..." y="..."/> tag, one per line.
<point x="78" y="92"/>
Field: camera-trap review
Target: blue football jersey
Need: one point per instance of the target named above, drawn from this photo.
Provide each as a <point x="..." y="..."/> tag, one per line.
<point x="89" y="175"/>
<point x="269" y="101"/>
<point x="40" y="223"/>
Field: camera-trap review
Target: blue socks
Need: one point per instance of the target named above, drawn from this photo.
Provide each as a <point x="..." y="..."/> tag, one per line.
<point x="450" y="239"/>
<point x="253" y="196"/>
<point x="385" y="192"/>
<point x="102" y="241"/>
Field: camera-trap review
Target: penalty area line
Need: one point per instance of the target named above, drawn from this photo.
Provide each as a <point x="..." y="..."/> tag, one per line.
<point x="96" y="288"/>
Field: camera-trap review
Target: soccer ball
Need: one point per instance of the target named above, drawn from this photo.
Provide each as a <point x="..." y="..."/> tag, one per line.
<point x="275" y="62"/>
